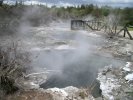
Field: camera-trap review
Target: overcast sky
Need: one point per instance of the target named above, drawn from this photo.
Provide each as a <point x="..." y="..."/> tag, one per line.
<point x="78" y="2"/>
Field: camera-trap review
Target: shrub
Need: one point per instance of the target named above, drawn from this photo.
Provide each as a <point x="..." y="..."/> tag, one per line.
<point x="13" y="64"/>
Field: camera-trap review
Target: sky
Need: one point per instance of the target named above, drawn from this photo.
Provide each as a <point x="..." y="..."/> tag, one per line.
<point x="124" y="3"/>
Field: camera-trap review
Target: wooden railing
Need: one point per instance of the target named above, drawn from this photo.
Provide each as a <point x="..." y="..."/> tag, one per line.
<point x="97" y="25"/>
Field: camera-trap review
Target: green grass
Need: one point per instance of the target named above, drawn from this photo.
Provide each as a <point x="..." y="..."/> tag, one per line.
<point x="130" y="29"/>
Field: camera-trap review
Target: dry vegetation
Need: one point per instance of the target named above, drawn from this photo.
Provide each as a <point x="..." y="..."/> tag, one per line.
<point x="13" y="64"/>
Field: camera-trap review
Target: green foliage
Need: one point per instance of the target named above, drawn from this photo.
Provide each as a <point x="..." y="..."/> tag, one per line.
<point x="97" y="13"/>
<point x="1" y="2"/>
<point x="130" y="29"/>
<point x="70" y="12"/>
<point x="127" y="16"/>
<point x="105" y="10"/>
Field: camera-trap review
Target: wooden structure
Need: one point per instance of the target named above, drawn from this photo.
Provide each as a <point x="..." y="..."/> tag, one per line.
<point x="77" y="24"/>
<point x="80" y="24"/>
<point x="97" y="25"/>
<point x="125" y="30"/>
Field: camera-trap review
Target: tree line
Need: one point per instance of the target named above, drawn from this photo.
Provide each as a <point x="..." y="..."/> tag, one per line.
<point x="71" y="12"/>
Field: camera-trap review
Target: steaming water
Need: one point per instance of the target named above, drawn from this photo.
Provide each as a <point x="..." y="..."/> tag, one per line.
<point x="71" y="55"/>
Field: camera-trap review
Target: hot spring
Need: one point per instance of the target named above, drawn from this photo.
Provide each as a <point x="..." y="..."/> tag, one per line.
<point x="72" y="56"/>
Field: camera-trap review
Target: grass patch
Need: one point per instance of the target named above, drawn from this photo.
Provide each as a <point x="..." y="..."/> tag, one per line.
<point x="130" y="29"/>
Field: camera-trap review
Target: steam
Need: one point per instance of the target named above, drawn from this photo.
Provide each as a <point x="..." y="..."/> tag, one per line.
<point x="71" y="55"/>
<point x="32" y="16"/>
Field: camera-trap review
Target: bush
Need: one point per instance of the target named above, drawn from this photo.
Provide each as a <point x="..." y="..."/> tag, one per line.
<point x="13" y="64"/>
<point x="7" y="85"/>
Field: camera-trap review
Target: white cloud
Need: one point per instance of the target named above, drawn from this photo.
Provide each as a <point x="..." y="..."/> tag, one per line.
<point x="60" y="4"/>
<point x="35" y="2"/>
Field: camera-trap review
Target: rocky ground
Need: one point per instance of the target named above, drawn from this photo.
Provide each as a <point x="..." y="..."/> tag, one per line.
<point x="68" y="93"/>
<point x="117" y="83"/>
<point x="119" y="47"/>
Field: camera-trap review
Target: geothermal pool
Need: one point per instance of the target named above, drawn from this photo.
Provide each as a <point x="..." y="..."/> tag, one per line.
<point x="72" y="56"/>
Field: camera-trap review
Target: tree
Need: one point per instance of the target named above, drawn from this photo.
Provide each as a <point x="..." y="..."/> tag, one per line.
<point x="1" y="2"/>
<point x="97" y="12"/>
<point x="16" y="4"/>
<point x="83" y="6"/>
<point x="128" y="16"/>
<point x="105" y="10"/>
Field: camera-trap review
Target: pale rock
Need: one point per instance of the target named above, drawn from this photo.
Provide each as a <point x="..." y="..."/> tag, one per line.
<point x="129" y="77"/>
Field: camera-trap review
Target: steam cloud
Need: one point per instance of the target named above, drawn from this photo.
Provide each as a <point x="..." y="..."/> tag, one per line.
<point x="70" y="54"/>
